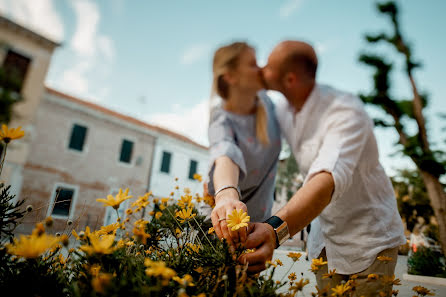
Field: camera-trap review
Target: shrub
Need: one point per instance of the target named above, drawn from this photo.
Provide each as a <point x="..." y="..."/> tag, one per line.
<point x="426" y="262"/>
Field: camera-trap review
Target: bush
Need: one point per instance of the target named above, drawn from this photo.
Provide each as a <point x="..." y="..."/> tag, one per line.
<point x="426" y="262"/>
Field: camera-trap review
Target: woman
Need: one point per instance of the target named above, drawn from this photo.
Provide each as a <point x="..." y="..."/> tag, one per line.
<point x="244" y="140"/>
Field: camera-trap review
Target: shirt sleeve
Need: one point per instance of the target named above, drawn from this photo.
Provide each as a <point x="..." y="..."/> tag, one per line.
<point x="222" y="142"/>
<point x="347" y="133"/>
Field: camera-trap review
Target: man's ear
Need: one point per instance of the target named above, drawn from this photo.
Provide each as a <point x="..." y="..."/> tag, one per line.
<point x="289" y="79"/>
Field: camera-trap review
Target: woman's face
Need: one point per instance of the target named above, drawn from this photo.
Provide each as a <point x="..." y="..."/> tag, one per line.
<point x="247" y="76"/>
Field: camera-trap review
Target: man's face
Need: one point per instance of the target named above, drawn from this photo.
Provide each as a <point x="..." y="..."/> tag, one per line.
<point x="271" y="72"/>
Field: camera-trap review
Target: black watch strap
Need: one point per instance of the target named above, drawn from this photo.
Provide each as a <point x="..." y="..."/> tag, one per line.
<point x="275" y="222"/>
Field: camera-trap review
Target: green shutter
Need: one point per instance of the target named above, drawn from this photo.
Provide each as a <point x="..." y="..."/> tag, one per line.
<point x="165" y="163"/>
<point x="126" y="151"/>
<point x="77" y="139"/>
<point x="192" y="168"/>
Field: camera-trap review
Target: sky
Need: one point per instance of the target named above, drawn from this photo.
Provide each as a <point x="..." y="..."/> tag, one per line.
<point x="152" y="59"/>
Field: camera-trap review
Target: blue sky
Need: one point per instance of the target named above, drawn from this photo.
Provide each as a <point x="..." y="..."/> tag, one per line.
<point x="152" y="59"/>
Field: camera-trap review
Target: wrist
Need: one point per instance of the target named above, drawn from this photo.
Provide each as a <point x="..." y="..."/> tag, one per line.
<point x="273" y="236"/>
<point x="229" y="194"/>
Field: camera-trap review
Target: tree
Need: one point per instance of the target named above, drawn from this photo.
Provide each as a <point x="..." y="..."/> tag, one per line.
<point x="405" y="112"/>
<point x="287" y="175"/>
<point x="412" y="198"/>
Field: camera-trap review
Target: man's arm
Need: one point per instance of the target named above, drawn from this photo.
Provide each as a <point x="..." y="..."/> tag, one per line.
<point x="304" y="206"/>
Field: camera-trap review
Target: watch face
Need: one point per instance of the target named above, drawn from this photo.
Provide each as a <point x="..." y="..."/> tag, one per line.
<point x="282" y="233"/>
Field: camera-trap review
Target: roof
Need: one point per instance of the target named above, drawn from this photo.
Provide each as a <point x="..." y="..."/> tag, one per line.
<point x="124" y="117"/>
<point x="19" y="28"/>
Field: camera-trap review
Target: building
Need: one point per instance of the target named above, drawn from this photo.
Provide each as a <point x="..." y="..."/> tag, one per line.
<point x="27" y="55"/>
<point x="75" y="151"/>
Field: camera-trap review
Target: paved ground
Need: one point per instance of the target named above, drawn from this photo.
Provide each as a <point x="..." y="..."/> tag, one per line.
<point x="303" y="266"/>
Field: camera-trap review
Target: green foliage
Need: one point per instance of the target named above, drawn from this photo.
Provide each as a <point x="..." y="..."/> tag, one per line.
<point x="412" y="198"/>
<point x="426" y="262"/>
<point x="286" y="176"/>
<point x="400" y="111"/>
<point x="200" y="262"/>
<point x="10" y="212"/>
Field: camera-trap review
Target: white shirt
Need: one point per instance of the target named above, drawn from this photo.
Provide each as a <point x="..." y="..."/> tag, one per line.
<point x="333" y="133"/>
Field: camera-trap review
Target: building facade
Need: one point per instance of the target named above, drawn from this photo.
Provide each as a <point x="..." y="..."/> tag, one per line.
<point x="25" y="55"/>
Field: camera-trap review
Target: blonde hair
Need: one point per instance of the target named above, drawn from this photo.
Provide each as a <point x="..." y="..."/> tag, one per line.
<point x="226" y="59"/>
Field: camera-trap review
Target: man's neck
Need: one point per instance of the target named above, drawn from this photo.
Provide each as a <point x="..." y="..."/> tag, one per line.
<point x="299" y="97"/>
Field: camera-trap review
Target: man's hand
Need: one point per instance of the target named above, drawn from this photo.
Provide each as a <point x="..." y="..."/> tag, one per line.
<point x="225" y="204"/>
<point x="262" y="237"/>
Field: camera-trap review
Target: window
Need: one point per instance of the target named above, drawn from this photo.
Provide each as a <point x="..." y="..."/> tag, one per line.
<point x="62" y="201"/>
<point x="192" y="168"/>
<point x="165" y="164"/>
<point x="14" y="67"/>
<point x="126" y="151"/>
<point x="77" y="139"/>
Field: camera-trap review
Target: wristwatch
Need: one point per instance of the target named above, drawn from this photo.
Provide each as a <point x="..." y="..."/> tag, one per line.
<point x="280" y="228"/>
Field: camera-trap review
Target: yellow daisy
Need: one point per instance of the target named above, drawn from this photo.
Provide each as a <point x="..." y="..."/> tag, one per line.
<point x="237" y="219"/>
<point x="7" y="134"/>
<point x="116" y="201"/>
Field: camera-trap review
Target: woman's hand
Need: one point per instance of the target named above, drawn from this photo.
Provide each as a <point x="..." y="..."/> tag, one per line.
<point x="225" y="202"/>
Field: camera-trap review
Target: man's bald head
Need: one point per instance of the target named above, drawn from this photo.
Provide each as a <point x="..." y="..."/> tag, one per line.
<point x="296" y="56"/>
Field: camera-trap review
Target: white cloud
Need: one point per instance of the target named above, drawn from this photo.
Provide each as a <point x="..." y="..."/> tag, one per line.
<point x="191" y="121"/>
<point x="38" y="15"/>
<point x="289" y="7"/>
<point x="323" y="47"/>
<point x="194" y="53"/>
<point x="105" y="45"/>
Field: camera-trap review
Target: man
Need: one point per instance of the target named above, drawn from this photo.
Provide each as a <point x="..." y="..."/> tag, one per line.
<point x="345" y="190"/>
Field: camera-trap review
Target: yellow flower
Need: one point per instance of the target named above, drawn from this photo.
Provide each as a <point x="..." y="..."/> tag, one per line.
<point x="279" y="262"/>
<point x="108" y="229"/>
<point x="211" y="230"/>
<point x="142" y="201"/>
<point x="209" y="200"/>
<point x="268" y="263"/>
<point x="329" y="275"/>
<point x="248" y="251"/>
<point x="141" y="234"/>
<point x="372" y="277"/>
<point x="158" y="269"/>
<point x="10" y="134"/>
<point x="185" y="281"/>
<point x="324" y="291"/>
<point x="197" y="177"/>
<point x="99" y="244"/>
<point x="294" y="256"/>
<point x="193" y="247"/>
<point x="116" y="201"/>
<point x="100" y="280"/>
<point x="165" y="200"/>
<point x="422" y="291"/>
<point x="185" y="201"/>
<point x="237" y="219"/>
<point x="32" y="246"/>
<point x="186" y="191"/>
<point x="385" y="259"/>
<point x="129" y="211"/>
<point x="185" y="214"/>
<point x="158" y="214"/>
<point x="390" y="280"/>
<point x="292" y="276"/>
<point x="298" y="286"/>
<point x="317" y="264"/>
<point x="340" y="290"/>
